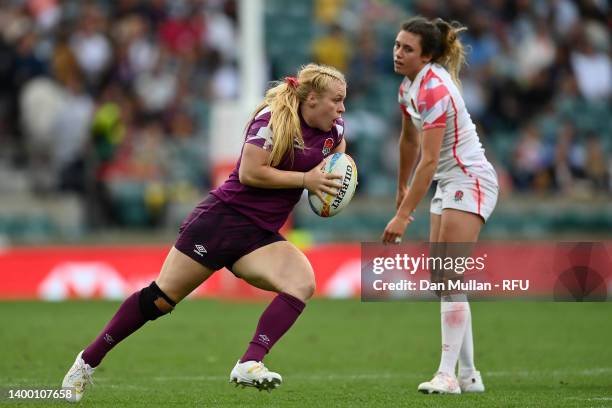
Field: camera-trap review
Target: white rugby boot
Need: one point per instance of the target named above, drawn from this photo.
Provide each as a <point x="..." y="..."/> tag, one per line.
<point x="442" y="383"/>
<point x="77" y="378"/>
<point x="255" y="374"/>
<point x="471" y="381"/>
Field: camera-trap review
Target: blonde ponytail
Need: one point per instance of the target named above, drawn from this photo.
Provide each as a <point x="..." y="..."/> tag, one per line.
<point x="284" y="100"/>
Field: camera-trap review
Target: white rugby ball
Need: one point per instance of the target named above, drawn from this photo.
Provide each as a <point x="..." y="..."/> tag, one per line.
<point x="342" y="164"/>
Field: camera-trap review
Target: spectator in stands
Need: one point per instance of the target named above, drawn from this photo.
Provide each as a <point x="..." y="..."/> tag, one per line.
<point x="333" y="49"/>
<point x="596" y="164"/>
<point x="529" y="157"/>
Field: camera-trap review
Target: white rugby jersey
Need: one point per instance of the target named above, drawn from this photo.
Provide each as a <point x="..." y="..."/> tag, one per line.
<point x="433" y="100"/>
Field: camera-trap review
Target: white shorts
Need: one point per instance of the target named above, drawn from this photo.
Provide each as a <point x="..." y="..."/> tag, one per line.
<point x="471" y="193"/>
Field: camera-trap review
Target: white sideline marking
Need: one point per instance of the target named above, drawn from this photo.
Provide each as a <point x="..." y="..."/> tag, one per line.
<point x="525" y="373"/>
<point x="126" y="387"/>
<point x="378" y="376"/>
<point x="590" y="399"/>
<point x="354" y="377"/>
<point x="314" y="377"/>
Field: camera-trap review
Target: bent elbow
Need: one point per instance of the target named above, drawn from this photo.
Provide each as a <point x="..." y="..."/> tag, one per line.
<point x="243" y="177"/>
<point x="247" y="178"/>
<point x="429" y="162"/>
<point x="412" y="143"/>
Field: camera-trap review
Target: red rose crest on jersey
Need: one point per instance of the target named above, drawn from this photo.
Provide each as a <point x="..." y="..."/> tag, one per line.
<point x="328" y="145"/>
<point x="458" y="196"/>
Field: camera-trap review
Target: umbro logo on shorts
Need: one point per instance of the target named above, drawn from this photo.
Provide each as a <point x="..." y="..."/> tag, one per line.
<point x="200" y="250"/>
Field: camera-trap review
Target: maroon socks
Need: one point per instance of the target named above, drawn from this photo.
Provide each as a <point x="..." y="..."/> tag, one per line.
<point x="126" y="321"/>
<point x="278" y="317"/>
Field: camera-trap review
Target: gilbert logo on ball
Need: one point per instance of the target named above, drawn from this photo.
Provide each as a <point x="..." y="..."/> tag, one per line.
<point x="343" y="165"/>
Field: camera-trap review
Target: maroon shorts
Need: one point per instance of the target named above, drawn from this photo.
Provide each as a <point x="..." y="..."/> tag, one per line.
<point x="216" y="236"/>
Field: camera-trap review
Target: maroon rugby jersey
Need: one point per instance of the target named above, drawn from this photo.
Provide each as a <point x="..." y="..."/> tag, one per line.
<point x="269" y="208"/>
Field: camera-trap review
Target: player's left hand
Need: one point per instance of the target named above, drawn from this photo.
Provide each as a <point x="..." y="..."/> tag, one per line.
<point x="395" y="229"/>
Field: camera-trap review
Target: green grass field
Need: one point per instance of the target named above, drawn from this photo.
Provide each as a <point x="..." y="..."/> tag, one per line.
<point x="340" y="353"/>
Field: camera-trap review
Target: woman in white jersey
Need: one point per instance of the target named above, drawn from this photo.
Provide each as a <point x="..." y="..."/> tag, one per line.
<point x="436" y="124"/>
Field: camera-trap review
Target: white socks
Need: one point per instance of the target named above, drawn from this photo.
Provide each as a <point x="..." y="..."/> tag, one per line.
<point x="466" y="354"/>
<point x="455" y="317"/>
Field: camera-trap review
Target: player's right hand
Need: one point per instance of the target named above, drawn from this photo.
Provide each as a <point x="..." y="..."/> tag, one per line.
<point x="318" y="182"/>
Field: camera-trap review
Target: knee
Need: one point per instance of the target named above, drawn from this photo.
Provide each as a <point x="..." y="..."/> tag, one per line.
<point x="303" y="288"/>
<point x="308" y="289"/>
<point x="154" y="302"/>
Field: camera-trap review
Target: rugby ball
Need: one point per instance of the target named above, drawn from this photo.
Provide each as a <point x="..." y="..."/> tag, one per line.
<point x="342" y="164"/>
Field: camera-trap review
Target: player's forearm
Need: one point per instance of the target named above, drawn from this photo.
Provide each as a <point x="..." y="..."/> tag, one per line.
<point x="407" y="160"/>
<point x="270" y="177"/>
<point x="423" y="176"/>
<point x="341" y="148"/>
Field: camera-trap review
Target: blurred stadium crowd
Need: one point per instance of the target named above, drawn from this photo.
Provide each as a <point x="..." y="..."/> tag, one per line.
<point x="538" y="83"/>
<point x="110" y="100"/>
